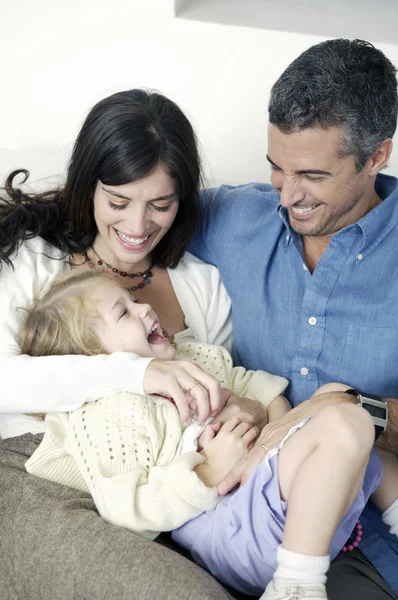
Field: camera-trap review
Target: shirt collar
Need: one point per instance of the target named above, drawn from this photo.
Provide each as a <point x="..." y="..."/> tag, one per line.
<point x="375" y="225"/>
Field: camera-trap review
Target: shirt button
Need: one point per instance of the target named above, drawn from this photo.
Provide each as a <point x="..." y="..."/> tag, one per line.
<point x="305" y="267"/>
<point x="287" y="237"/>
<point x="304" y="371"/>
<point x="312" y="321"/>
<point x="360" y="256"/>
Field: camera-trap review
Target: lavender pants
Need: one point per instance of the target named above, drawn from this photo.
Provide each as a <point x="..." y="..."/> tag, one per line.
<point x="237" y="541"/>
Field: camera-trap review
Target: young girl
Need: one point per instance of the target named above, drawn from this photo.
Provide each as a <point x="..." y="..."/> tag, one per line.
<point x="148" y="475"/>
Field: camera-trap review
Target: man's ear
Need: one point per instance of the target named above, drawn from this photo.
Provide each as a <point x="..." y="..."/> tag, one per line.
<point x="380" y="157"/>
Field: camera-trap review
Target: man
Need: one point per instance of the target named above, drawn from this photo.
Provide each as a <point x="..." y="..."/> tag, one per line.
<point x="311" y="264"/>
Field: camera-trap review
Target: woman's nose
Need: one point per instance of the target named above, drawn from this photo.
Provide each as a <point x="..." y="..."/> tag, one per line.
<point x="136" y="221"/>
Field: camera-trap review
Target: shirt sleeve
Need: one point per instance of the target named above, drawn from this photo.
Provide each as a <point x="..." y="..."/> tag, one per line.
<point x="218" y="207"/>
<point x="53" y="383"/>
<point x="126" y="454"/>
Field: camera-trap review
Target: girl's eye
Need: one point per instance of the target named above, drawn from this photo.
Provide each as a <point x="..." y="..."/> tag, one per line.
<point x="124" y="313"/>
<point x="161" y="208"/>
<point x="117" y="206"/>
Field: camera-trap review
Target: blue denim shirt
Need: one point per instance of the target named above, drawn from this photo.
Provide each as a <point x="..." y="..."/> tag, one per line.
<point x="338" y="324"/>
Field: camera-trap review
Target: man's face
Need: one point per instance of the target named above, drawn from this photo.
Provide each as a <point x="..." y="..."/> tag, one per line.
<point x="321" y="191"/>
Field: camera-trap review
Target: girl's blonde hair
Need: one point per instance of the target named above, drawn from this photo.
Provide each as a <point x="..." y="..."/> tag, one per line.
<point x="63" y="320"/>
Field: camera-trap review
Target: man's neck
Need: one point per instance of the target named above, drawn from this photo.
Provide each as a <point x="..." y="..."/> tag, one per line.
<point x="315" y="246"/>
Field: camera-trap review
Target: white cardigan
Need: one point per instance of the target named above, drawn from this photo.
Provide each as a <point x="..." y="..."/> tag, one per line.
<point x="64" y="383"/>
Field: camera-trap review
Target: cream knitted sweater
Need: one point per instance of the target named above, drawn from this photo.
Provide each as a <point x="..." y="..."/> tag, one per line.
<point x="123" y="449"/>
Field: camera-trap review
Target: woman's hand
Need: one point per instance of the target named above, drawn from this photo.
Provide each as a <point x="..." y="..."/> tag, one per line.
<point x="273" y="434"/>
<point x="188" y="385"/>
<point x="244" y="409"/>
<point x="224" y="446"/>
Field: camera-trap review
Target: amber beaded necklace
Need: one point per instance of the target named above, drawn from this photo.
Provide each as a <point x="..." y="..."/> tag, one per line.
<point x="146" y="275"/>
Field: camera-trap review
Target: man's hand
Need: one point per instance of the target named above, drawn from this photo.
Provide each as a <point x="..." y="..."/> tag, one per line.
<point x="244" y="409"/>
<point x="273" y="433"/>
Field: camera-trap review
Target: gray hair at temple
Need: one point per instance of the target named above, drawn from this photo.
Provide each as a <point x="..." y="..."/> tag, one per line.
<point x="339" y="83"/>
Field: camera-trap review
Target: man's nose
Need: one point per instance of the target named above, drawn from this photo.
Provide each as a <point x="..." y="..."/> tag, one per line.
<point x="291" y="192"/>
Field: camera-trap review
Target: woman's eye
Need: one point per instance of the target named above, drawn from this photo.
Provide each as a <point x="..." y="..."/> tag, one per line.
<point x="117" y="206"/>
<point x="161" y="208"/>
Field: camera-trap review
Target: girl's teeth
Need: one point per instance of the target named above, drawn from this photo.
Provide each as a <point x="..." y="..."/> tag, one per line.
<point x="132" y="241"/>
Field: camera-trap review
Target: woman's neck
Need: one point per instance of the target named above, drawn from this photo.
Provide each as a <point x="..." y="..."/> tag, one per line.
<point x="100" y="252"/>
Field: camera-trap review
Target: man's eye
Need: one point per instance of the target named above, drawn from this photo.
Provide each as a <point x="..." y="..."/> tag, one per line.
<point x="314" y="178"/>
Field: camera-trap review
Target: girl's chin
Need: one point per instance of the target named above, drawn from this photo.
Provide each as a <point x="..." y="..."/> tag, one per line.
<point x="168" y="354"/>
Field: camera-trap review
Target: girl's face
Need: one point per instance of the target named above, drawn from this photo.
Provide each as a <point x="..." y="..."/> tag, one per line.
<point x="128" y="326"/>
<point x="132" y="218"/>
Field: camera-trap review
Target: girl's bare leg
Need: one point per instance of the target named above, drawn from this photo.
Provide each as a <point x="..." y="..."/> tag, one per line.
<point x="321" y="469"/>
<point x="386" y="495"/>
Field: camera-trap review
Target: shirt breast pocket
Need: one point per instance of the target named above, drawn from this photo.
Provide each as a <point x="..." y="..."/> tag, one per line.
<point x="370" y="360"/>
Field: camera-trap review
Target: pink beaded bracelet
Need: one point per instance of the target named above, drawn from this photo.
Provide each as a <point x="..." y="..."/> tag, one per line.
<point x="358" y="537"/>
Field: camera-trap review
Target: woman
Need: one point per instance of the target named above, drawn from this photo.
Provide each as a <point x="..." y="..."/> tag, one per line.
<point x="129" y="207"/>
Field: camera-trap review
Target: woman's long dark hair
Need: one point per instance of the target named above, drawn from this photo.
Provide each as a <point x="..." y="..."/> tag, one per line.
<point x="123" y="139"/>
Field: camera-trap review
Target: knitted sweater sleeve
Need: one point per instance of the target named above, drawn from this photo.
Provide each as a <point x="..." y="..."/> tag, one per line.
<point x="255" y="385"/>
<point x="125" y="449"/>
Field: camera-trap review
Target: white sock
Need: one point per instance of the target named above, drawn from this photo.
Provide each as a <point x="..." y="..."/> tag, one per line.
<point x="300" y="567"/>
<point x="390" y="517"/>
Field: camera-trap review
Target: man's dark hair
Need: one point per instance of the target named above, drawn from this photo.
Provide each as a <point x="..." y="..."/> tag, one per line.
<point x="339" y="83"/>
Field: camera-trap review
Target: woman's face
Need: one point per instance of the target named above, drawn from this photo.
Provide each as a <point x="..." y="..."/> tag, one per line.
<point x="132" y="218"/>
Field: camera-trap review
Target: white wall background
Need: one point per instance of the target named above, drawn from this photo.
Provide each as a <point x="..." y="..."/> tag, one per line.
<point x="58" y="57"/>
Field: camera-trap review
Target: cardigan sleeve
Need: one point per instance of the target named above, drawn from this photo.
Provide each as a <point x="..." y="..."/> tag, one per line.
<point x="125" y="449"/>
<point x="218" y="312"/>
<point x="204" y="301"/>
<point x="257" y="385"/>
<point x="50" y="383"/>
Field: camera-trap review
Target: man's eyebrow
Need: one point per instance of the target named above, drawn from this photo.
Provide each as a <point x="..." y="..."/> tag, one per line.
<point x="273" y="164"/>
<point x="304" y="171"/>
<point x="118" y="195"/>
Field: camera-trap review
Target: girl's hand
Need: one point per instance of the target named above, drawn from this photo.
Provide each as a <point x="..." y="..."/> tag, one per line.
<point x="188" y="385"/>
<point x="225" y="450"/>
<point x="208" y="434"/>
